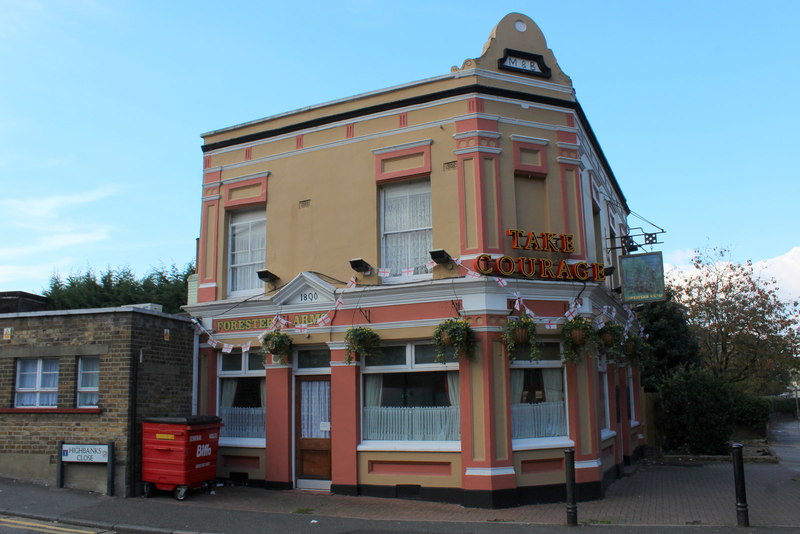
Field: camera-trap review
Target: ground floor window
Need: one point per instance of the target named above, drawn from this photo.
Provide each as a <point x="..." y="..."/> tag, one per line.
<point x="37" y="383"/>
<point x="241" y="407"/>
<point x="242" y="395"/>
<point x="537" y="403"/>
<point x="411" y="406"/>
<point x="88" y="381"/>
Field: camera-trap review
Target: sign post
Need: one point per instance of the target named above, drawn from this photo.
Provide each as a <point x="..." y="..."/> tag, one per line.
<point x="92" y="454"/>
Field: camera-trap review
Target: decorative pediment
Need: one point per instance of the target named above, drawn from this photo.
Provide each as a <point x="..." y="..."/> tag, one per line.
<point x="305" y="289"/>
<point x="517" y="46"/>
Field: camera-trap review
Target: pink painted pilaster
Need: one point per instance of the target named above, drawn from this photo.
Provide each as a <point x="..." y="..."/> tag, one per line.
<point x="345" y="419"/>
<point x="280" y="428"/>
<point x="480" y="208"/>
<point x="485" y="466"/>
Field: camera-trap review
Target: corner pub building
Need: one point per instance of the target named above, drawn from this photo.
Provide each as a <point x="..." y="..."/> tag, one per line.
<point x="325" y="218"/>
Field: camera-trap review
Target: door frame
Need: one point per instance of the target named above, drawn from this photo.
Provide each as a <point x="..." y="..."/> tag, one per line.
<point x="301" y="482"/>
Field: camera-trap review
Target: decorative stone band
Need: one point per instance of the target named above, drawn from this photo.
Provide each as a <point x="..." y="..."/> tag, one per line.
<point x="489" y="471"/>
<point x="472" y="149"/>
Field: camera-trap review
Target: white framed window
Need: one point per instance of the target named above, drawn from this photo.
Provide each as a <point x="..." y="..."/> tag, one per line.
<point x="538" y="402"/>
<point x="408" y="397"/>
<point x="37" y="383"/>
<point x="406" y="230"/>
<point x="242" y="399"/>
<point x="602" y="394"/>
<point x="247" y="243"/>
<point x="312" y="361"/>
<point x="88" y="381"/>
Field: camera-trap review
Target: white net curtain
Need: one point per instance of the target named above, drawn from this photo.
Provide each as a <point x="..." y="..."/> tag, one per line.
<point x="406" y="227"/>
<point x="537" y="409"/>
<point x="242" y="421"/>
<point x="247" y="247"/>
<point x="37" y="383"/>
<point x="410" y="423"/>
<point x="315" y="408"/>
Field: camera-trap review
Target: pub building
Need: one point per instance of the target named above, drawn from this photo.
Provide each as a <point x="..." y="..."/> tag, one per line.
<point x="481" y="194"/>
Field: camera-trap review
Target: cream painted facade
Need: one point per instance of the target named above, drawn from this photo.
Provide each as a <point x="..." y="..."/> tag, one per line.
<point x="471" y="162"/>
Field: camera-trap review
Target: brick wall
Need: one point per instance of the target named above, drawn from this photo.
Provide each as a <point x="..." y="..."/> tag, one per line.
<point x="137" y="364"/>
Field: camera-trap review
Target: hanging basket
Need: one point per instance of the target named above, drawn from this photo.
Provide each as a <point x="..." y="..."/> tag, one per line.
<point x="521" y="335"/>
<point x="456" y="333"/>
<point x="446" y="339"/>
<point x="361" y="341"/>
<point x="610" y="337"/>
<point x="278" y="344"/>
<point x="578" y="338"/>
<point x="607" y="338"/>
<point x="521" y="331"/>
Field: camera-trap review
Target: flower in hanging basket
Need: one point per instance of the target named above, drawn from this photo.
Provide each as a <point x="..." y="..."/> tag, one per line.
<point x="577" y="336"/>
<point x="456" y="333"/>
<point x="361" y="341"/>
<point x="279" y="344"/>
<point x="519" y="332"/>
<point x="611" y="339"/>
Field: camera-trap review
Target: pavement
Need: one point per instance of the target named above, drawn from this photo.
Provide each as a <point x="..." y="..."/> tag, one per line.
<point x="656" y="498"/>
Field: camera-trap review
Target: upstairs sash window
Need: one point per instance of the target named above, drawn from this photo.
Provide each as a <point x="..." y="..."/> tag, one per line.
<point x="247" y="247"/>
<point x="406" y="227"/>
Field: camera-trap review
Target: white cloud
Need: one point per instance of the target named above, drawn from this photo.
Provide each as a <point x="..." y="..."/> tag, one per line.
<point x="51" y="243"/>
<point x="679" y="259"/>
<point x="22" y="277"/>
<point x="49" y="208"/>
<point x="785" y="269"/>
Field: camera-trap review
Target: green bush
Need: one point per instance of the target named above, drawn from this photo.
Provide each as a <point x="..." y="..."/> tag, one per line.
<point x="751" y="411"/>
<point x="782" y="404"/>
<point x="697" y="412"/>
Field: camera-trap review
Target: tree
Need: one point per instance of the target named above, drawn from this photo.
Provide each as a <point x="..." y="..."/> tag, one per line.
<point x="745" y="331"/>
<point x="165" y="286"/>
<point x="672" y="342"/>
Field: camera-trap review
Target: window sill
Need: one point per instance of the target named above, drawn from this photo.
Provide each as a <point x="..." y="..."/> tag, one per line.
<point x="531" y="444"/>
<point x="607" y="434"/>
<point x="260" y="443"/>
<point x="394" y="280"/>
<point x="418" y="446"/>
<point x="51" y="410"/>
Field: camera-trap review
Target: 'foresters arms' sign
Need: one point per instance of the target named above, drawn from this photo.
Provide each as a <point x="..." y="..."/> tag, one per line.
<point x="261" y="323"/>
<point x="541" y="268"/>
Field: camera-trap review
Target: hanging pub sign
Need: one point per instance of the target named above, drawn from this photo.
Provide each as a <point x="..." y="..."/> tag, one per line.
<point x="642" y="277"/>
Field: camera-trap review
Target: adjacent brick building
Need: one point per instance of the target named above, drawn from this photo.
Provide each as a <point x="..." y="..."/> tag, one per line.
<point x="88" y="377"/>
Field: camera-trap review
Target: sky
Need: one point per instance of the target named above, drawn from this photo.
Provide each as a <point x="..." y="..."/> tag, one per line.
<point x="102" y="104"/>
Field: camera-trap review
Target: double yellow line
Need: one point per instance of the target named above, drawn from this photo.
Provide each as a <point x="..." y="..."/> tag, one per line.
<point x="38" y="526"/>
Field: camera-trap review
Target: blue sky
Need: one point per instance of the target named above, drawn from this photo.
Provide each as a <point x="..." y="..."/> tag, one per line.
<point x="102" y="104"/>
